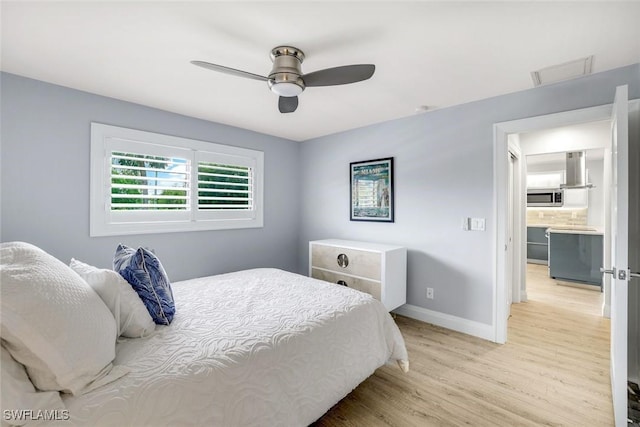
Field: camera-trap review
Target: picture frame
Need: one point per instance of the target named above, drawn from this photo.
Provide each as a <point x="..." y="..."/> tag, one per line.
<point x="372" y="192"/>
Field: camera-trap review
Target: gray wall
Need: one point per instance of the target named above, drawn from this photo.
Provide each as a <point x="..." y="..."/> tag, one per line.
<point x="443" y="172"/>
<point x="45" y="182"/>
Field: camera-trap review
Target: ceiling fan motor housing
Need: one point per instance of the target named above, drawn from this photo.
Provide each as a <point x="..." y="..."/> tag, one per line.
<point x="285" y="76"/>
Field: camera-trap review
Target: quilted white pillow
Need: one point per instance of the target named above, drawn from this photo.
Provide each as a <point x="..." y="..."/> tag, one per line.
<point x="18" y="394"/>
<point x="131" y="315"/>
<point x="54" y="323"/>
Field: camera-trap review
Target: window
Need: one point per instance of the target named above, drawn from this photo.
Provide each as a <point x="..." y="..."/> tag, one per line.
<point x="143" y="182"/>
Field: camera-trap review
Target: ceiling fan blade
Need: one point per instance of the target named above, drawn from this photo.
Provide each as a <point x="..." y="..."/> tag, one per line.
<point x="287" y="104"/>
<point x="227" y="70"/>
<point x="339" y="75"/>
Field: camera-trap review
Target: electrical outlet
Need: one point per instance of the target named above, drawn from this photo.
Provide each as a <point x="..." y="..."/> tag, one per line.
<point x="429" y="293"/>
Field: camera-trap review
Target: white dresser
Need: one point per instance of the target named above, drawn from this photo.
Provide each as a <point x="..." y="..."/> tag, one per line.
<point x="380" y="270"/>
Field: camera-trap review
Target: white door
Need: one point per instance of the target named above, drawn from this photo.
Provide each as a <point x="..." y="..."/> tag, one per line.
<point x="619" y="252"/>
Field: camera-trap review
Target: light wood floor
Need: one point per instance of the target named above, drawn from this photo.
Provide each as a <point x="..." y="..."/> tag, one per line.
<point x="554" y="370"/>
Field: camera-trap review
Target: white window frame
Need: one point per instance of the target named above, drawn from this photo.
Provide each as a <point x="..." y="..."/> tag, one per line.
<point x="104" y="222"/>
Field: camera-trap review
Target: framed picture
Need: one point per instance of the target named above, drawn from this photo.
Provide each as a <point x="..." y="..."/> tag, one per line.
<point x="372" y="190"/>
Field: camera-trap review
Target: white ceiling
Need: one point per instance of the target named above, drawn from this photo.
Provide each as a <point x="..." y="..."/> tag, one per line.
<point x="426" y="53"/>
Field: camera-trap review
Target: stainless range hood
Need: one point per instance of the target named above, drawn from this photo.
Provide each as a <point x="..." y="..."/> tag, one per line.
<point x="576" y="173"/>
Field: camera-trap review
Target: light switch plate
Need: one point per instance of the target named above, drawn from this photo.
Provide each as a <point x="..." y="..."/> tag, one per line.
<point x="477" y="224"/>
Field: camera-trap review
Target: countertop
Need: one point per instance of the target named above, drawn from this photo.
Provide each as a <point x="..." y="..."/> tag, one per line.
<point x="575" y="229"/>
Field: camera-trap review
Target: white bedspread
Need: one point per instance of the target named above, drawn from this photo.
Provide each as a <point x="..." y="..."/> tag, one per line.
<point x="260" y="347"/>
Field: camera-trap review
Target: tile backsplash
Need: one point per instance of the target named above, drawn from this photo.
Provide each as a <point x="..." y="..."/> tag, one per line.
<point x="550" y="216"/>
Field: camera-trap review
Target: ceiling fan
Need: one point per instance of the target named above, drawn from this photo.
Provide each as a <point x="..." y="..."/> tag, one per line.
<point x="287" y="80"/>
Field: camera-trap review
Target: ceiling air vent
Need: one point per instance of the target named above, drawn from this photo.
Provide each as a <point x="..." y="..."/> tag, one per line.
<point x="557" y="73"/>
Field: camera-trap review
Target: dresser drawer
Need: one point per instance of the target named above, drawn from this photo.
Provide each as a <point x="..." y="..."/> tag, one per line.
<point x="368" y="286"/>
<point x="360" y="263"/>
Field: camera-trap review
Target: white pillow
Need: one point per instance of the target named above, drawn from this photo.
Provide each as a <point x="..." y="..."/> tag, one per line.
<point x="53" y="322"/>
<point x="19" y="394"/>
<point x="128" y="309"/>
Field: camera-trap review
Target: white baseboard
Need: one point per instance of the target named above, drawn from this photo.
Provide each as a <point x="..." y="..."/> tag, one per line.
<point x="470" y="327"/>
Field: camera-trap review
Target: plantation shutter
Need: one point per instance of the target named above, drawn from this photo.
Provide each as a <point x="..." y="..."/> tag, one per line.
<point x="146" y="180"/>
<point x="225" y="185"/>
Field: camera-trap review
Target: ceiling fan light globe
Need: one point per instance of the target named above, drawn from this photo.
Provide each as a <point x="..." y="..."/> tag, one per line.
<point x="286" y="89"/>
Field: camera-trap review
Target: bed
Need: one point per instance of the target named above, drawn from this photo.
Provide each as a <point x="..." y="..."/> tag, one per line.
<point x="254" y="347"/>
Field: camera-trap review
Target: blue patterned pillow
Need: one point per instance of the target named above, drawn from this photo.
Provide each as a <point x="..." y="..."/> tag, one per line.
<point x="143" y="270"/>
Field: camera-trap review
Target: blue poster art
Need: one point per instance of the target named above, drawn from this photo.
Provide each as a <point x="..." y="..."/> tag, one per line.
<point x="372" y="190"/>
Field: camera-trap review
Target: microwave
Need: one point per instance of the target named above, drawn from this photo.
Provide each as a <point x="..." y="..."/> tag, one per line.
<point x="547" y="197"/>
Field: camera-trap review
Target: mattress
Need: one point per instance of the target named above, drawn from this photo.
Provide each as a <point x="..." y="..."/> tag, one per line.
<point x="251" y="348"/>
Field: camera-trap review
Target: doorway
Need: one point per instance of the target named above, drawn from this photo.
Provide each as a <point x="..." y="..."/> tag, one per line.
<point x="577" y="225"/>
<point x="510" y="274"/>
